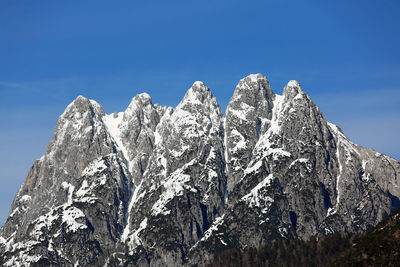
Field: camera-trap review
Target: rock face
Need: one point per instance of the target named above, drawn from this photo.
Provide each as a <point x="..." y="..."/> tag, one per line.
<point x="166" y="186"/>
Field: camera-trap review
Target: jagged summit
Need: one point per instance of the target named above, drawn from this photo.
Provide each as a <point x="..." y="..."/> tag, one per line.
<point x="197" y="94"/>
<point x="292" y="89"/>
<point x="252" y="87"/>
<point x="143" y="99"/>
<point x="199" y="84"/>
<point x="255" y="78"/>
<point x="165" y="186"/>
<point x="80" y="105"/>
<point x="293" y="83"/>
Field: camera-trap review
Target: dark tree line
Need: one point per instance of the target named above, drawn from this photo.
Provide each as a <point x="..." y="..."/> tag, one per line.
<point x="378" y="247"/>
<point x="288" y="253"/>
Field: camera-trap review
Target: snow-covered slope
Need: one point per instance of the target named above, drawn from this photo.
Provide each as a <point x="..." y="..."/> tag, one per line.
<point x="169" y="186"/>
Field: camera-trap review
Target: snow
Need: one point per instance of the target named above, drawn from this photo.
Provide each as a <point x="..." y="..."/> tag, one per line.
<point x="25" y="198"/>
<point x="70" y="188"/>
<point x="253" y="198"/>
<point x="193" y="95"/>
<point x="22" y="259"/>
<point x="126" y="230"/>
<point x="264" y="143"/>
<point x="95" y="170"/>
<point x="213" y="228"/>
<point x="254" y="168"/>
<point x="222" y="241"/>
<point x="277" y="153"/>
<point x="50" y="247"/>
<point x="198" y="84"/>
<point x="212" y="174"/>
<point x="338" y="177"/>
<point x="298" y="96"/>
<point x="135" y="240"/>
<point x="173" y="186"/>
<point x="163" y="161"/>
<point x="329" y="231"/>
<point x="350" y="148"/>
<point x="304" y="161"/>
<point x="115" y="125"/>
<point x="276" y="111"/>
<point x="239" y="144"/>
<point x="365" y="176"/>
<point x="331" y="211"/>
<point x="14" y="212"/>
<point x="293" y="83"/>
<point x="226" y="160"/>
<point x="96" y="105"/>
<point x="42" y="225"/>
<point x="300" y="160"/>
<point x="241" y="111"/>
<point x="68" y="217"/>
<point x="237" y="113"/>
<point x="83" y="190"/>
<point x="96" y="166"/>
<point x="282" y="231"/>
<point x="255" y="77"/>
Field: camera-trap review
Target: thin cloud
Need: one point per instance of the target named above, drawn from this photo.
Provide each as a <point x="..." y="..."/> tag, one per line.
<point x="5" y="85"/>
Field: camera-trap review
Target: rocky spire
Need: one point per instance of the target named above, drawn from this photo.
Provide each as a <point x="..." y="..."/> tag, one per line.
<point x="133" y="132"/>
<point x="248" y="116"/>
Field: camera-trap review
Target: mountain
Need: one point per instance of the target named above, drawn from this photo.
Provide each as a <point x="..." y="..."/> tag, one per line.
<point x="167" y="186"/>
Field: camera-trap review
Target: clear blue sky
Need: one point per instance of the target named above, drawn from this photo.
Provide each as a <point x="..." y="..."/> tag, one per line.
<point x="346" y="54"/>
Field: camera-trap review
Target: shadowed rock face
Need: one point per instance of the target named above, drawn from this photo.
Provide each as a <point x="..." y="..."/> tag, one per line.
<point x="168" y="186"/>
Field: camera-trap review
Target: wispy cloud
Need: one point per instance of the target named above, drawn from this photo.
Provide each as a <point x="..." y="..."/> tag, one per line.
<point x="5" y="85"/>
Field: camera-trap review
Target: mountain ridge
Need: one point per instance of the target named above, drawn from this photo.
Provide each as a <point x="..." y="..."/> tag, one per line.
<point x="161" y="185"/>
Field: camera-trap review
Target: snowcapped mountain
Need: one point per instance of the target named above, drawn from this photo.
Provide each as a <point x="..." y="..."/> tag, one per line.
<point x="167" y="186"/>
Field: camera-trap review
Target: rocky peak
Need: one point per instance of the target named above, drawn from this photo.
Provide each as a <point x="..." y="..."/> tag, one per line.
<point x="139" y="102"/>
<point x="198" y="105"/>
<point x="133" y="132"/>
<point x="80" y="106"/>
<point x="292" y="90"/>
<point x="182" y="131"/>
<point x="199" y="98"/>
<point x="199" y="88"/>
<point x="252" y="89"/>
<point x="248" y="116"/>
<point x="80" y="122"/>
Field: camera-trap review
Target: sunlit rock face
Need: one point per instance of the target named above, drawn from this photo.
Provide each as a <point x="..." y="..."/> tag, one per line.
<point x="165" y="186"/>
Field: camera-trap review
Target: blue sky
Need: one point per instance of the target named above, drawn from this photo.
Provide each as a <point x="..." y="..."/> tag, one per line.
<point x="345" y="54"/>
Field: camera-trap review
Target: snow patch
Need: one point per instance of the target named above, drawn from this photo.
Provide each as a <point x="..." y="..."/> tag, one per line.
<point x="254" y="169"/>
<point x="96" y="166"/>
<point x="175" y="185"/>
<point x="135" y="240"/>
<point x="278" y="153"/>
<point x="304" y="161"/>
<point x="25" y="198"/>
<point x="115" y="126"/>
<point x="70" y="188"/>
<point x="254" y="199"/>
